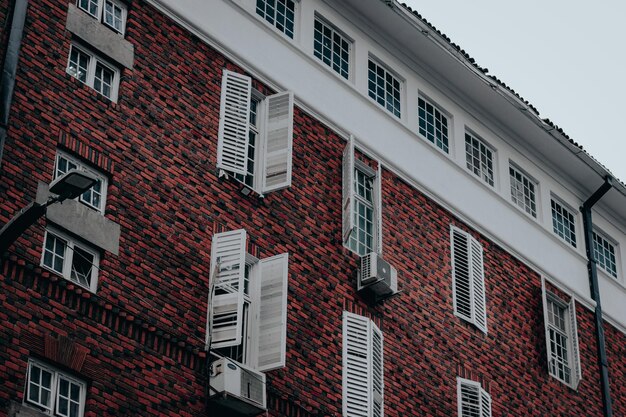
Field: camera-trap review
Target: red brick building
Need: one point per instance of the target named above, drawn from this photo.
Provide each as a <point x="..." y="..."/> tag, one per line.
<point x="331" y="196"/>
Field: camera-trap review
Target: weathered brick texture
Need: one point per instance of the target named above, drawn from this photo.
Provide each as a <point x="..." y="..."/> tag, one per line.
<point x="142" y="334"/>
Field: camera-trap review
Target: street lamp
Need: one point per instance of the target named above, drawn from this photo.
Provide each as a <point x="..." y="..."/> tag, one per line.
<point x="70" y="185"/>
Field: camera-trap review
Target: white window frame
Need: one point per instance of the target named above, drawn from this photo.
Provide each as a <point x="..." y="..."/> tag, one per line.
<point x="101" y="11"/>
<point x="343" y="37"/>
<point x="273" y="24"/>
<point x="601" y="266"/>
<point x="483" y="397"/>
<point x="483" y="170"/>
<point x="521" y="204"/>
<point x="83" y="167"/>
<point x="445" y="147"/>
<point x="557" y="205"/>
<point x="94" y="60"/>
<point x="54" y="388"/>
<point x="470" y="278"/>
<point x="395" y="77"/>
<point x="70" y="245"/>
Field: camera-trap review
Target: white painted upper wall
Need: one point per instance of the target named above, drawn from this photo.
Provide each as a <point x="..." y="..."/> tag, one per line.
<point x="233" y="27"/>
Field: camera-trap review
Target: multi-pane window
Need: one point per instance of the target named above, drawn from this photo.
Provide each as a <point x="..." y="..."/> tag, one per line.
<point x="478" y="157"/>
<point x="93" y="71"/>
<point x="563" y="222"/>
<point x="331" y="47"/>
<point x="433" y="124"/>
<point x="95" y="197"/>
<point x="74" y="261"/>
<point x="278" y="13"/>
<point x="384" y="87"/>
<point x="110" y="12"/>
<point x="473" y="400"/>
<point x="362" y="237"/>
<point x="604" y="252"/>
<point x="523" y="191"/>
<point x="54" y="392"/>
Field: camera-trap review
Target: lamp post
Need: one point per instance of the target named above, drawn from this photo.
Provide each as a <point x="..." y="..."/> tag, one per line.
<point x="70" y="185"/>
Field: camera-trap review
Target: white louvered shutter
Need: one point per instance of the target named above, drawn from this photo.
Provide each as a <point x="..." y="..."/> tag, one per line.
<point x="461" y="272"/>
<point x="229" y="251"/>
<point x="577" y="374"/>
<point x="544" y="299"/>
<point x="273" y="312"/>
<point x="378" y="201"/>
<point x="278" y="142"/>
<point x="357" y="392"/>
<point x="478" y="277"/>
<point x="232" y="145"/>
<point x="485" y="403"/>
<point x="348" y="190"/>
<point x="469" y="399"/>
<point x="378" y="379"/>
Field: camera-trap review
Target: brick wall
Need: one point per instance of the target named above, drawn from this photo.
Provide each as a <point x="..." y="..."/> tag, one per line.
<point x="143" y="332"/>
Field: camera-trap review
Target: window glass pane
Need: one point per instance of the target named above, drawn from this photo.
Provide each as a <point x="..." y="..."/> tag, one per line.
<point x="563" y="223"/>
<point x="82" y="266"/>
<point x="54" y="253"/>
<point x="604" y="252"/>
<point x="79" y="62"/>
<point x="279" y="13"/>
<point x="433" y="124"/>
<point x="113" y="15"/>
<point x="90" y="6"/>
<point x="478" y="158"/>
<point x="103" y="80"/>
<point x="522" y="191"/>
<point x="331" y="48"/>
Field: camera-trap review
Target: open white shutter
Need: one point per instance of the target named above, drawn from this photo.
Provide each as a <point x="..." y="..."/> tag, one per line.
<point x="544" y="299"/>
<point x="485" y="403"/>
<point x="478" y="277"/>
<point x="577" y="374"/>
<point x="278" y="142"/>
<point x="378" y="380"/>
<point x="228" y="251"/>
<point x="357" y="381"/>
<point x="232" y="145"/>
<point x="273" y="312"/>
<point x="348" y="190"/>
<point x="378" y="201"/>
<point x="461" y="274"/>
<point x="469" y="398"/>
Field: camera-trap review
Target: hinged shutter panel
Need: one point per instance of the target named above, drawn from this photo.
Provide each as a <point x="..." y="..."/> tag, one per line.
<point x="470" y="401"/>
<point x="232" y="146"/>
<point x="273" y="312"/>
<point x="577" y="374"/>
<point x="478" y="277"/>
<point x="228" y="250"/>
<point x="378" y="201"/>
<point x="462" y="282"/>
<point x="348" y="190"/>
<point x="485" y="403"/>
<point x="279" y="142"/>
<point x="378" y="380"/>
<point x="544" y="299"/>
<point x="356" y="366"/>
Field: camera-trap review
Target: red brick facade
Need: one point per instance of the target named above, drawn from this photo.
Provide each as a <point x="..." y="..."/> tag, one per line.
<point x="139" y="341"/>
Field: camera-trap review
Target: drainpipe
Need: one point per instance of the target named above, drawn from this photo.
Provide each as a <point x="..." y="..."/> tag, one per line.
<point x="7" y="81"/>
<point x="595" y="293"/>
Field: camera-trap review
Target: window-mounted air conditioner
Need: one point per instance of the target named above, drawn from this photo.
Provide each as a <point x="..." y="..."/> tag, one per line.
<point x="236" y="389"/>
<point x="377" y="279"/>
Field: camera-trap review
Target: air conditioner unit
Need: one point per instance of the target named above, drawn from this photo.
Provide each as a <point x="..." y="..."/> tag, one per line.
<point x="236" y="390"/>
<point x="377" y="279"/>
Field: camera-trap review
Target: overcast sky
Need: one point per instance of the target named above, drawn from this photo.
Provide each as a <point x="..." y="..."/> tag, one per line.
<point x="567" y="58"/>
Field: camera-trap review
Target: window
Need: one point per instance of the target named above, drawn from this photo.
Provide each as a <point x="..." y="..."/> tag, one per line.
<point x="384" y="87"/>
<point x="473" y="400"/>
<point x="363" y="367"/>
<point x="523" y="191"/>
<point x="604" y="252"/>
<point x="95" y="197"/>
<point x="279" y="13"/>
<point x="54" y="392"/>
<point x="248" y="295"/>
<point x="72" y="260"/>
<point x="332" y="47"/>
<point x="478" y="157"/>
<point x="110" y="12"/>
<point x="563" y="222"/>
<point x="361" y="205"/>
<point x="468" y="283"/>
<point x="561" y="338"/>
<point x="255" y="135"/>
<point x="433" y="124"/>
<point x="93" y="71"/>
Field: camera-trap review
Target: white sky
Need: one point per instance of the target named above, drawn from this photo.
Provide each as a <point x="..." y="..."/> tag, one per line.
<point x="567" y="58"/>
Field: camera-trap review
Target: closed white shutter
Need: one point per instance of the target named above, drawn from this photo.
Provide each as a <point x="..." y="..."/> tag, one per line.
<point x="485" y="403"/>
<point x="232" y="146"/>
<point x="461" y="274"/>
<point x="228" y="252"/>
<point x="478" y="277"/>
<point x="357" y="392"/>
<point x="469" y="398"/>
<point x="544" y="299"/>
<point x="278" y="142"/>
<point x="273" y="312"/>
<point x="348" y="190"/>
<point x="577" y="374"/>
<point x="378" y="380"/>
